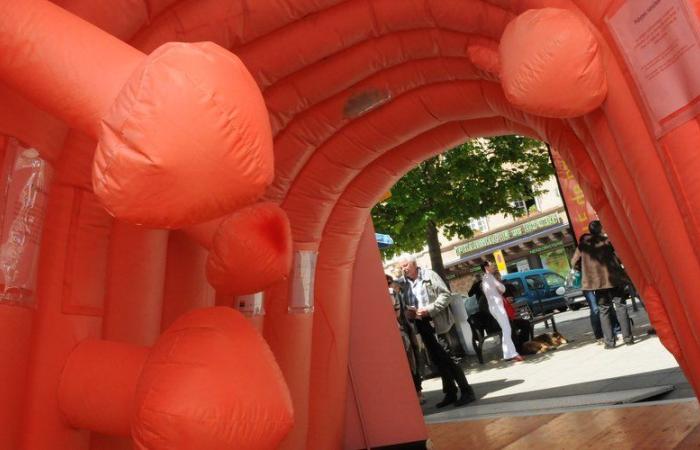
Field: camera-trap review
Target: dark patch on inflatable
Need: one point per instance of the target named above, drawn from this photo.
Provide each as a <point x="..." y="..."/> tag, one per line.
<point x="361" y="102"/>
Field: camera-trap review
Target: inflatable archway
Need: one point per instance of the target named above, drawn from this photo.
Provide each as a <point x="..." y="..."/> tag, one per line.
<point x="197" y="148"/>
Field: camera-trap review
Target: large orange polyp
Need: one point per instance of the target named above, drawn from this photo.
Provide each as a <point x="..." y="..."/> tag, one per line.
<point x="551" y="64"/>
<point x="170" y="160"/>
<point x="210" y="382"/>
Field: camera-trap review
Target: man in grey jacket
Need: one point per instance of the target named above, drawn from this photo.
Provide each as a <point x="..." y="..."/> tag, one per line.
<point x="431" y="300"/>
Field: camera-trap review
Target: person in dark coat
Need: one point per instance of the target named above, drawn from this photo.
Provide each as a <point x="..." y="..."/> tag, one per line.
<point x="603" y="277"/>
<point x="409" y="335"/>
<point x="476" y="291"/>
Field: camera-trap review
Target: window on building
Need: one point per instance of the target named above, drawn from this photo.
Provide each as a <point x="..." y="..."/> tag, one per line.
<point x="525" y="207"/>
<point x="521" y="208"/>
<point x="481" y="225"/>
<point x="539" y="200"/>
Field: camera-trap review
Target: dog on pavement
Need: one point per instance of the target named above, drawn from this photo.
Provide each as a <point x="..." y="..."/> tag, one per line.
<point x="543" y="343"/>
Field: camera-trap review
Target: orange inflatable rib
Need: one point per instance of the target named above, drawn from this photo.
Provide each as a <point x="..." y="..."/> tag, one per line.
<point x="185" y="114"/>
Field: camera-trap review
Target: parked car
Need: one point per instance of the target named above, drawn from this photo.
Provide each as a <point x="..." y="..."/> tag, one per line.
<point x="573" y="293"/>
<point x="539" y="289"/>
<point x="575" y="299"/>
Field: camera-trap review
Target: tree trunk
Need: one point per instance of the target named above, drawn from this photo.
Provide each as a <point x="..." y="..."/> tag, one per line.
<point x="434" y="250"/>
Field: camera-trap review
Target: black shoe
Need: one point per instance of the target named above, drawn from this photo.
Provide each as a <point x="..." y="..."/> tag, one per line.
<point x="448" y="400"/>
<point x="466" y="397"/>
<point x="629" y="341"/>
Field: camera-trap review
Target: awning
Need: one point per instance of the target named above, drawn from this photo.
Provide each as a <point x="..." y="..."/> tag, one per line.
<point x="384" y="240"/>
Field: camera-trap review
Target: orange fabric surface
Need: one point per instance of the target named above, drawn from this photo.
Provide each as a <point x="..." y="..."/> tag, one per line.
<point x="97" y="394"/>
<point x="185" y="285"/>
<point x="325" y="105"/>
<point x="39" y="42"/>
<point x="377" y="364"/>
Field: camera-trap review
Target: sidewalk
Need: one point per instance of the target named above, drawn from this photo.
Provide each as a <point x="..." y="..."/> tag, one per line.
<point x="577" y="368"/>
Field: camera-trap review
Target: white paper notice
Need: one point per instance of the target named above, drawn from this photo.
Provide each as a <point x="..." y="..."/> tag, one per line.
<point x="660" y="40"/>
<point x="303" y="274"/>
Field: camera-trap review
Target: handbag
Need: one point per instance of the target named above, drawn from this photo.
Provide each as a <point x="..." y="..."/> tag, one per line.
<point x="510" y="311"/>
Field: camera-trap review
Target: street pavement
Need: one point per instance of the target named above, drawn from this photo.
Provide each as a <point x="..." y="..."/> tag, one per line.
<point x="577" y="368"/>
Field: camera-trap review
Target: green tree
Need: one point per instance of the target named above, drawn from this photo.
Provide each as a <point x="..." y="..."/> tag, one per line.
<point x="478" y="178"/>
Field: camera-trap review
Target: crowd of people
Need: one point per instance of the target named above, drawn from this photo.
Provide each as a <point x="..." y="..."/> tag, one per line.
<point x="422" y="303"/>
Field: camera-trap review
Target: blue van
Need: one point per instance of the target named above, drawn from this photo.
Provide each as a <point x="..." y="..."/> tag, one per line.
<point x="538" y="288"/>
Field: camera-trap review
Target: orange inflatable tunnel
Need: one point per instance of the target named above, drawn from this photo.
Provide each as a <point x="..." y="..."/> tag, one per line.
<point x="161" y="157"/>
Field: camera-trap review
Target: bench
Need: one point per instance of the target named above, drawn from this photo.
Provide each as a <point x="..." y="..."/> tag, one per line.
<point x="525" y="312"/>
<point x="483" y="326"/>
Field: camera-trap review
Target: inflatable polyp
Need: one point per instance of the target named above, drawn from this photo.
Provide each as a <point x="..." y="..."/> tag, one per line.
<point x="552" y="74"/>
<point x="251" y="250"/>
<point x="211" y="382"/>
<point x="205" y="384"/>
<point x="157" y="151"/>
<point x="215" y="154"/>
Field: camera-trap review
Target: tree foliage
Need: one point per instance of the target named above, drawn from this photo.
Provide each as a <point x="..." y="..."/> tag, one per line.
<point x="478" y="178"/>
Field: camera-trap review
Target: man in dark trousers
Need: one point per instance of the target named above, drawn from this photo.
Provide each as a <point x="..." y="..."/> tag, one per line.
<point x="407" y="328"/>
<point x="430" y="298"/>
<point x="603" y="275"/>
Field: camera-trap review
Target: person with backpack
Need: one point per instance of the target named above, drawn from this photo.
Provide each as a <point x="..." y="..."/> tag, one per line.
<point x="603" y="280"/>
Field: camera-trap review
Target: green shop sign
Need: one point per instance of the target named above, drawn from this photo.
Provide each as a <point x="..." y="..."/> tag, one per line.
<point x="511" y="233"/>
<point x="551" y="246"/>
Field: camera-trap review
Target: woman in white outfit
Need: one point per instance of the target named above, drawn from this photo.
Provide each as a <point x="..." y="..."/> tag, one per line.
<point x="493" y="291"/>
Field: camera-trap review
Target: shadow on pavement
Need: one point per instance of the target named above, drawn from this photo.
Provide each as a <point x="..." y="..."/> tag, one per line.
<point x="655" y="378"/>
<point x="480" y="389"/>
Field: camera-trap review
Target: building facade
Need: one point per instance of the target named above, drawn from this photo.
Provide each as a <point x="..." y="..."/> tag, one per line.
<point x="539" y="238"/>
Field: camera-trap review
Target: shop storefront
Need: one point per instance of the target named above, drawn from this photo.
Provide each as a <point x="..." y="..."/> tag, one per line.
<point x="544" y="241"/>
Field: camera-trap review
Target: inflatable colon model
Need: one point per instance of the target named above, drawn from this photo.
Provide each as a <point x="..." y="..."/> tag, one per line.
<point x="142" y="198"/>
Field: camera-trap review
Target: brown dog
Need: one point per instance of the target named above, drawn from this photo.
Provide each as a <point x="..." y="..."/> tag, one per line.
<point x="545" y="338"/>
<point x="559" y="339"/>
<point x="543" y="342"/>
<point x="534" y="347"/>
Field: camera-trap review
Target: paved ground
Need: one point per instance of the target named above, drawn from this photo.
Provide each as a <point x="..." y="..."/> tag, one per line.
<point x="580" y="367"/>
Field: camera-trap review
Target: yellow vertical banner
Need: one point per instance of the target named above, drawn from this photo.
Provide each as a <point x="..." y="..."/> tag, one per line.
<point x="500" y="262"/>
